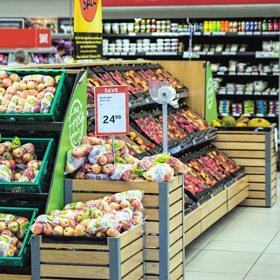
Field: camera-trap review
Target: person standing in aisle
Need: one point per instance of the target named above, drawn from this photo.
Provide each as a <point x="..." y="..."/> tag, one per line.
<point x="21" y="58"/>
<point x="59" y="54"/>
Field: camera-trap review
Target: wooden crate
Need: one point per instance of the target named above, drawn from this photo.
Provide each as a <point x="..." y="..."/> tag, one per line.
<point x="89" y="258"/>
<point x="255" y="150"/>
<point x="15" y="277"/>
<point x="164" y="226"/>
<point x="211" y="211"/>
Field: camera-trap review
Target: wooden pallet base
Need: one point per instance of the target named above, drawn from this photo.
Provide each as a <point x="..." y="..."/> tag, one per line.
<point x="256" y="152"/>
<point x="15" y="277"/>
<point x="208" y="213"/>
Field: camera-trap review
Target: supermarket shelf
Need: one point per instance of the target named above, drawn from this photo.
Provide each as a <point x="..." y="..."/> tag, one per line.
<point x="31" y="50"/>
<point x="139" y="54"/>
<point x="276" y="74"/>
<point x="242" y="93"/>
<point x="138" y="103"/>
<point x="66" y="36"/>
<point x="147" y="35"/>
<point x="237" y="34"/>
<point x="192" y="143"/>
<point x="15" y="125"/>
<point x="249" y="115"/>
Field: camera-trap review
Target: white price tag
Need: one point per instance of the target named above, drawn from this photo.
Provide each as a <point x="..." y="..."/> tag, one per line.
<point x="232" y="73"/>
<point x="257" y="93"/>
<point x="239" y="93"/>
<point x="111" y="110"/>
<point x="255" y="73"/>
<point x="248" y="93"/>
<point x="259" y="115"/>
<point x="264" y="93"/>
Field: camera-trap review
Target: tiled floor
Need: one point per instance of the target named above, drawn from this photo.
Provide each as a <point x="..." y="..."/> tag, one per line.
<point x="243" y="245"/>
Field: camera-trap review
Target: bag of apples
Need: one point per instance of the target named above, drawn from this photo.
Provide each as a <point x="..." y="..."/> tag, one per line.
<point x="109" y="216"/>
<point x="13" y="230"/>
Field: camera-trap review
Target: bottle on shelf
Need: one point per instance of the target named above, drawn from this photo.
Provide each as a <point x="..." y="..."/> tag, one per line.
<point x="219" y="26"/>
<point x="227" y="26"/>
<point x="206" y="26"/>
<point x="270" y="25"/>
<point x="210" y="26"/>
<point x="264" y="25"/>
<point x="276" y="25"/>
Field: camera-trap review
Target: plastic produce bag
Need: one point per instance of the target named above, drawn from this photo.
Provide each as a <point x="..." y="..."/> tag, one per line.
<point x="98" y="154"/>
<point x="5" y="242"/>
<point x="129" y="195"/>
<point x="179" y="167"/>
<point x="75" y="159"/>
<point x="122" y="172"/>
<point x="74" y="206"/>
<point x="161" y="172"/>
<point x="12" y="105"/>
<point x="103" y="224"/>
<point x="5" y="173"/>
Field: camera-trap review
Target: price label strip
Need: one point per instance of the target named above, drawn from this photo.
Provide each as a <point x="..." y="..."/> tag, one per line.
<point x="111" y="110"/>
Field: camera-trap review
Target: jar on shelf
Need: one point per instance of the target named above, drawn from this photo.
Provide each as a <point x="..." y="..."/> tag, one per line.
<point x="148" y="26"/>
<point x="163" y="26"/>
<point x="137" y="23"/>
<point x="153" y="25"/>
<point x="107" y="28"/>
<point x="130" y="27"/>
<point x="123" y="27"/>
<point x="115" y="28"/>
<point x="158" y="29"/>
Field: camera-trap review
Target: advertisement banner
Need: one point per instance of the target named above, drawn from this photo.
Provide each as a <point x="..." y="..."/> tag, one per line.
<point x="210" y="96"/>
<point x="88" y="29"/>
<point x="74" y="128"/>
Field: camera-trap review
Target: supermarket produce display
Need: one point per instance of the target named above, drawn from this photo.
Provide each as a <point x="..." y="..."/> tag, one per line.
<point x="105" y="199"/>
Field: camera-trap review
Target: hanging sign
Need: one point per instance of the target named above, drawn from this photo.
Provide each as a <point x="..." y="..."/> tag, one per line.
<point x="87" y="29"/>
<point x="111" y="110"/>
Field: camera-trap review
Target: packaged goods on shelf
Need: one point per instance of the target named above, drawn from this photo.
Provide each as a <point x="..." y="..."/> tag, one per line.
<point x="224" y="106"/>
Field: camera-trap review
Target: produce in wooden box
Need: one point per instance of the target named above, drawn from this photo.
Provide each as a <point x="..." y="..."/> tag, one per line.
<point x="95" y="162"/>
<point x="12" y="230"/>
<point x="18" y="162"/>
<point x="109" y="216"/>
<point x="243" y="121"/>
<point x="31" y="94"/>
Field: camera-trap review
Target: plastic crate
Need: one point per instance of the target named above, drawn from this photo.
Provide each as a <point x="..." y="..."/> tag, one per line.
<point x="24" y="253"/>
<point x="44" y="151"/>
<point x="60" y="96"/>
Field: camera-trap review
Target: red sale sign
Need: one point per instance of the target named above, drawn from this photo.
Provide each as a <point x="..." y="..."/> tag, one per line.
<point x="111" y="110"/>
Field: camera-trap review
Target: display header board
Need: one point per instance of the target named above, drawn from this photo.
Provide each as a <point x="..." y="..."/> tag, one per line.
<point x="11" y="23"/>
<point x="25" y="38"/>
<point x="144" y="3"/>
<point x="88" y="29"/>
<point x="111" y="110"/>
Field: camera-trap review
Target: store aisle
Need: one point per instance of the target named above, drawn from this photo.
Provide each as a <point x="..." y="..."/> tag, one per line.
<point x="243" y="245"/>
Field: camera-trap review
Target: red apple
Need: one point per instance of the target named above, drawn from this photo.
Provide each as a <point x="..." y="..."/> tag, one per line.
<point x="37" y="228"/>
<point x="47" y="229"/>
<point x="124" y="203"/>
<point x="21" y="220"/>
<point x="7" y="232"/>
<point x="100" y="234"/>
<point x="136" y="204"/>
<point x="9" y="253"/>
<point x="3" y="75"/>
<point x="26" y="158"/>
<point x="81" y="230"/>
<point x="68" y="231"/>
<point x="3" y="226"/>
<point x="112" y="232"/>
<point x="14" y="77"/>
<point x="6" y="83"/>
<point x="13" y="227"/>
<point x="18" y="152"/>
<point x="115" y="205"/>
<point x="64" y="222"/>
<point x="136" y="218"/>
<point x="14" y="241"/>
<point x="58" y="230"/>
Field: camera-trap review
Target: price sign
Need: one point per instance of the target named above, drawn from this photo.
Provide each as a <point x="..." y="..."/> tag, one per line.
<point x="111" y="110"/>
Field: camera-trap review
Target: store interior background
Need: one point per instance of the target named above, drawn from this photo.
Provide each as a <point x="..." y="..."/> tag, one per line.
<point x="237" y="246"/>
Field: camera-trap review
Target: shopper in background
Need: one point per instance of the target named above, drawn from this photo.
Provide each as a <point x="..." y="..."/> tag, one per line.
<point x="21" y="58"/>
<point x="59" y="54"/>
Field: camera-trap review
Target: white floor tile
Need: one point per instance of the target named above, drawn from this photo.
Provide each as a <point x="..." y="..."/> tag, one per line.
<point x="266" y="219"/>
<point x="189" y="275"/>
<point x="235" y="212"/>
<point x="269" y="259"/>
<point x="247" y="233"/>
<point x="267" y="270"/>
<point x="274" y="246"/>
<point x="190" y="254"/>
<point x="236" y="246"/>
<point x="261" y="278"/>
<point x="214" y="266"/>
<point x="226" y="256"/>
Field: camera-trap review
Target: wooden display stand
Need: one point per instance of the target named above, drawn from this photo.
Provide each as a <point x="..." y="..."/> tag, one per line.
<point x="256" y="152"/>
<point x="211" y="211"/>
<point x="164" y="226"/>
<point x="105" y="258"/>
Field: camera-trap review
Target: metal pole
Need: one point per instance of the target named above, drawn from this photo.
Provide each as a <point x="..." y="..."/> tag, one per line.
<point x="113" y="144"/>
<point x="164" y="128"/>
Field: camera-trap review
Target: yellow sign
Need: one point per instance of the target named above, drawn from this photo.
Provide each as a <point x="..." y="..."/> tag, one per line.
<point x="88" y="29"/>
